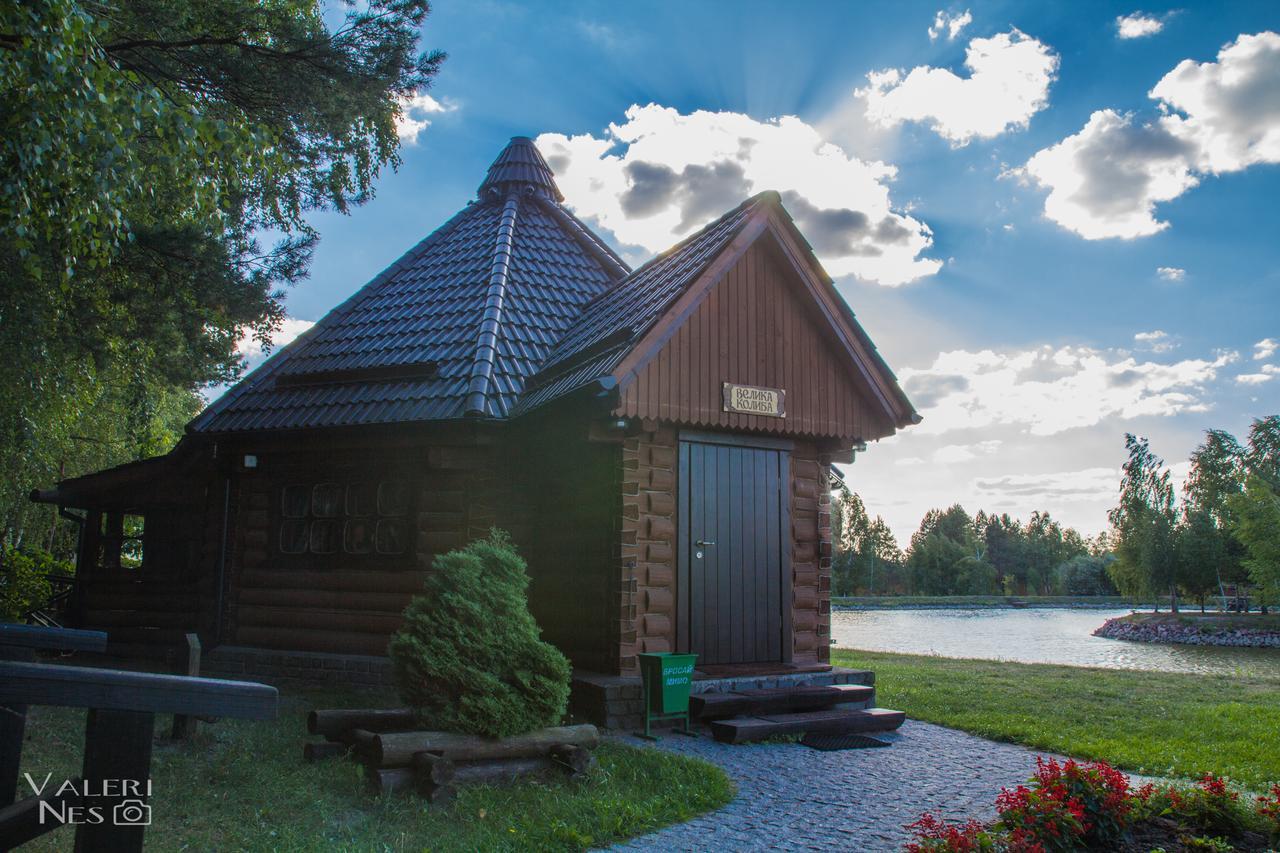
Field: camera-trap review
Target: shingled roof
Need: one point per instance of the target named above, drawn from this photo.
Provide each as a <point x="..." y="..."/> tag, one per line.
<point x="454" y="328"/>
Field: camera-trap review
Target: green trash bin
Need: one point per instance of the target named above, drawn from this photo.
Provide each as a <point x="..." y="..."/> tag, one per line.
<point x="667" y="678"/>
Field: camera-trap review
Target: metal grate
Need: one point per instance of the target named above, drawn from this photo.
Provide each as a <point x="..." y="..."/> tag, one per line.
<point x="831" y="743"/>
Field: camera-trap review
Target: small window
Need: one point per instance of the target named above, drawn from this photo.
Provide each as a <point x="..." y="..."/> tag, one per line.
<point x="351" y="518"/>
<point x="357" y="537"/>
<point x="324" y="536"/>
<point x="296" y="501"/>
<point x="393" y="497"/>
<point x="294" y="536"/>
<point x="391" y="536"/>
<point x="360" y="500"/>
<point x="326" y="500"/>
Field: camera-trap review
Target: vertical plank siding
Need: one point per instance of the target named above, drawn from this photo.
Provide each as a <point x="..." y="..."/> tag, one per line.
<point x="753" y="328"/>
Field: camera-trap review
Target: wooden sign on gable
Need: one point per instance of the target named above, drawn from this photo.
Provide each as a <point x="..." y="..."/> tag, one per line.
<point x="751" y="400"/>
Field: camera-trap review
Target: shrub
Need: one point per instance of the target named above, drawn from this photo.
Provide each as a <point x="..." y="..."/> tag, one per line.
<point x="1101" y="791"/>
<point x="1209" y="806"/>
<point x="24" y="580"/>
<point x="1041" y="818"/>
<point x="1269" y="811"/>
<point x="469" y="657"/>
<point x="934" y="835"/>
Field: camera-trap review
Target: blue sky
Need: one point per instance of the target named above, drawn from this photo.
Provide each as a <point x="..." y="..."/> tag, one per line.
<point x="1012" y="324"/>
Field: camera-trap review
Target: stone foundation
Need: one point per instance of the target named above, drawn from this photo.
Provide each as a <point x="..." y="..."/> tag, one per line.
<point x="285" y="668"/>
<point x="615" y="701"/>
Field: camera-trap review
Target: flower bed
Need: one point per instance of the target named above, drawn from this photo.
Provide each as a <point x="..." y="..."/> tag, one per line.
<point x="1072" y="806"/>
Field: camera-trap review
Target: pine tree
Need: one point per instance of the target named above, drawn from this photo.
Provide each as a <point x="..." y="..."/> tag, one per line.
<point x="470" y="657"/>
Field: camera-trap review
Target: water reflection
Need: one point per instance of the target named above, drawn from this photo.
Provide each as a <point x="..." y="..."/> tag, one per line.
<point x="1035" y="635"/>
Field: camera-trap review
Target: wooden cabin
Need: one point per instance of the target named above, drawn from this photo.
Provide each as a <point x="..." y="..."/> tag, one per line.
<point x="657" y="441"/>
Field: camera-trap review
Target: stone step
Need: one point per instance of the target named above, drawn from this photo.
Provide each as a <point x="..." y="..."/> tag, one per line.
<point x="832" y="721"/>
<point x="714" y="706"/>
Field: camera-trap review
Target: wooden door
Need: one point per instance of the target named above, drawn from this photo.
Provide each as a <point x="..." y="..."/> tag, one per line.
<point x="735" y="597"/>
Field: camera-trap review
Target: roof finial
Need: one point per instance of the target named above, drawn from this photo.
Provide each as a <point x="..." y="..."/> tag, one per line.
<point x="520" y="167"/>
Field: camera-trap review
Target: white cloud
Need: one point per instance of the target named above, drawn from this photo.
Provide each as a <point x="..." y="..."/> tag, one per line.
<point x="1106" y="180"/>
<point x="1048" y="489"/>
<point x="601" y="34"/>
<point x="1046" y="391"/>
<point x="415" y="112"/>
<point x="951" y="454"/>
<point x="1008" y="82"/>
<point x="1265" y="348"/>
<point x="1227" y="110"/>
<point x="1137" y="25"/>
<point x="1171" y="273"/>
<point x="660" y="175"/>
<point x="949" y="24"/>
<point x="252" y="351"/>
<point x="1268" y="372"/>
<point x="254" y="354"/>
<point x="1156" y="341"/>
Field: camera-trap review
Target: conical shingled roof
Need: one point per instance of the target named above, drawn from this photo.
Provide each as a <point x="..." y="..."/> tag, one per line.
<point x="520" y="164"/>
<point x="453" y="328"/>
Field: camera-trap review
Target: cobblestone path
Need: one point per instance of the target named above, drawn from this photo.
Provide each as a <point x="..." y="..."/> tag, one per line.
<point x="791" y="797"/>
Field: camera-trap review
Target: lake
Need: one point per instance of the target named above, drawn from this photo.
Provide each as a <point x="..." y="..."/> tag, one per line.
<point x="1034" y="635"/>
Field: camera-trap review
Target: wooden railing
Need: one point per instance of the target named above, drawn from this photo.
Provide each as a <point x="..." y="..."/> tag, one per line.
<point x="118" y="733"/>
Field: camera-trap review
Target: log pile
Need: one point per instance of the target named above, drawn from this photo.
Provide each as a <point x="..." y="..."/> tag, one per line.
<point x="398" y="757"/>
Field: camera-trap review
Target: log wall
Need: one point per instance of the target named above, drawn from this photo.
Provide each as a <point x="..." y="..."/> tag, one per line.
<point x="345" y="603"/>
<point x="644" y="607"/>
<point x="810" y="555"/>
<point x="566" y="489"/>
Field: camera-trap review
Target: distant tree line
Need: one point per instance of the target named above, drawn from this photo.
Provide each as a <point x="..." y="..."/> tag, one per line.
<point x="1226" y="529"/>
<point x="955" y="554"/>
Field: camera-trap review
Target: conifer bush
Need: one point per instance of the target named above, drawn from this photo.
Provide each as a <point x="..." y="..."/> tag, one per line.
<point x="470" y="657"/>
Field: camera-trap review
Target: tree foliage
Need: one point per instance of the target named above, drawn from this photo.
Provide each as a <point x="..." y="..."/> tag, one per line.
<point x="953" y="554"/>
<point x="470" y="657"/>
<point x="1224" y="531"/>
<point x="867" y="557"/>
<point x="147" y="148"/>
<point x="1143" y="525"/>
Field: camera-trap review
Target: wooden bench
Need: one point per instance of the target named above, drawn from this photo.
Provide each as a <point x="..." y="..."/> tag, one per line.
<point x="118" y="733"/>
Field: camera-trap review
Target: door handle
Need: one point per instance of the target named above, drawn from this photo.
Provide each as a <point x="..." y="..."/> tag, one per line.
<point x="703" y="542"/>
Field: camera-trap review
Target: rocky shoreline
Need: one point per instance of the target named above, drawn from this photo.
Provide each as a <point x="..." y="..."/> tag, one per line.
<point x="1123" y="628"/>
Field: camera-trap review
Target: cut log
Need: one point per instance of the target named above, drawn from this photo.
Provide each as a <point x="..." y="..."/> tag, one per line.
<point x="360" y="744"/>
<point x="334" y="723"/>
<point x="320" y="751"/>
<point x="502" y="771"/>
<point x="437" y="794"/>
<point x="396" y="749"/>
<point x="432" y="770"/>
<point x="575" y="760"/>
<point x="393" y="781"/>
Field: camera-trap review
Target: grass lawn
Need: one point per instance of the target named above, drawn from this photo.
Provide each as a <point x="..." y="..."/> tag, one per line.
<point x="244" y="785"/>
<point x="893" y="601"/>
<point x="1209" y="621"/>
<point x="1155" y="723"/>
